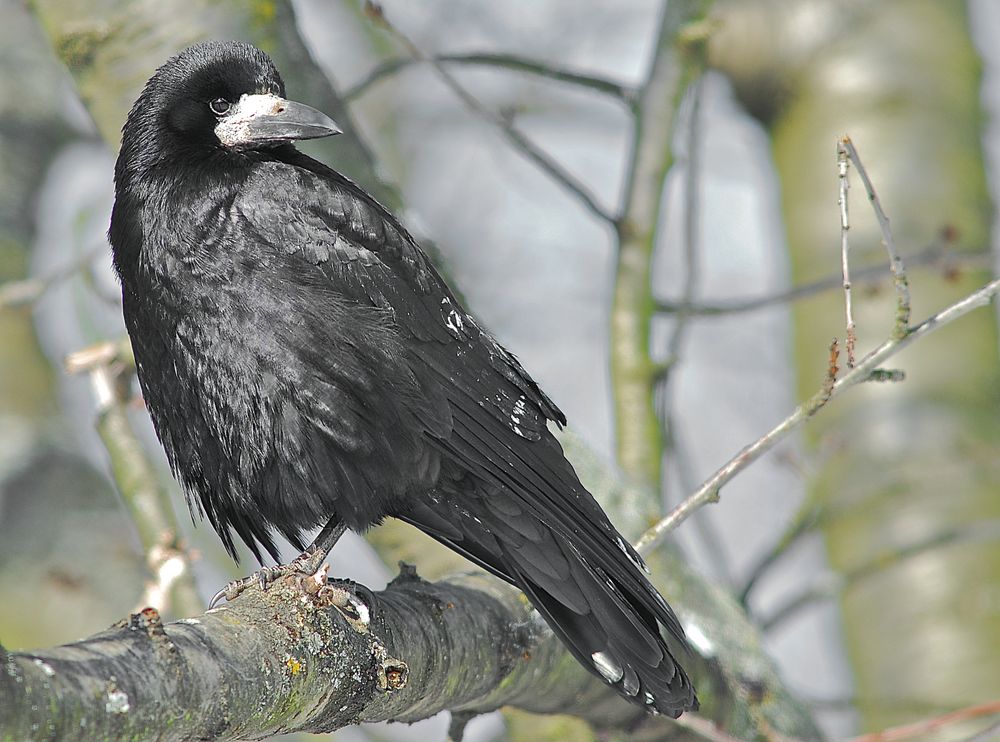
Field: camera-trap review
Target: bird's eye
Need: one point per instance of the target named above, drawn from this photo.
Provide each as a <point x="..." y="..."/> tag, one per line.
<point x="220" y="106"/>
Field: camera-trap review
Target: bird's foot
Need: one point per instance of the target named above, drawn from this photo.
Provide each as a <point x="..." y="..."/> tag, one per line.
<point x="304" y="566"/>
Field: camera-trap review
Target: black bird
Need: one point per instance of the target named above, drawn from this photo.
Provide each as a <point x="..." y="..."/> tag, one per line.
<point x="304" y="364"/>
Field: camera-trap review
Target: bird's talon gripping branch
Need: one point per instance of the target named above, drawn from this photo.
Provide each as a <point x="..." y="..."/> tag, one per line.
<point x="303" y="568"/>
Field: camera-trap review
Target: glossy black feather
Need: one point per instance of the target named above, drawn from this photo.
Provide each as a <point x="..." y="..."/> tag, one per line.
<point x="302" y="359"/>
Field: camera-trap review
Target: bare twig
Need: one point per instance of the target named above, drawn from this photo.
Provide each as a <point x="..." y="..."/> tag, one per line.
<point x="504" y="61"/>
<point x="863" y="371"/>
<point x="805" y="521"/>
<point x="937" y="253"/>
<point x="832" y="584"/>
<point x="920" y="728"/>
<point x="110" y="365"/>
<point x="691" y="226"/>
<point x="899" y="279"/>
<point x="845" y="226"/>
<point x="29" y="290"/>
<point x="692" y="223"/>
<point x="680" y="461"/>
<point x="514" y="135"/>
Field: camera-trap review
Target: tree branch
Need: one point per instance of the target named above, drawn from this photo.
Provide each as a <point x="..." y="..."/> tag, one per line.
<point x="677" y="59"/>
<point x="288" y="660"/>
<point x="937" y="253"/>
<point x="26" y="291"/>
<point x="830" y="585"/>
<point x="866" y="370"/>
<point x="515" y="136"/>
<point x="504" y="61"/>
<point x="929" y="726"/>
<point x="899" y="279"/>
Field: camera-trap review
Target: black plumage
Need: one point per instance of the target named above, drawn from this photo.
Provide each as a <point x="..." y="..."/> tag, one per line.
<point x="304" y="364"/>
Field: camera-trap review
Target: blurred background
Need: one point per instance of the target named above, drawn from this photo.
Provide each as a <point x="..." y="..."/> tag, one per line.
<point x="866" y="549"/>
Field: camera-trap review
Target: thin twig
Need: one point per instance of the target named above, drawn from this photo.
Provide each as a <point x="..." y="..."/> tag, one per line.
<point x="505" y="61"/>
<point x="29" y="290"/>
<point x="863" y="371"/>
<point x="514" y="135"/>
<point x="899" y="279"/>
<point x="707" y="533"/>
<point x="832" y="584"/>
<point x="692" y="222"/>
<point x="805" y="521"/>
<point x="937" y="253"/>
<point x="845" y="226"/>
<point x="926" y="726"/>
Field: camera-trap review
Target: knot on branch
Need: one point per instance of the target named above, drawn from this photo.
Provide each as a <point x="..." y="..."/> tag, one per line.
<point x="407" y="574"/>
<point x="319" y="592"/>
<point x="391" y="673"/>
<point x="147" y="620"/>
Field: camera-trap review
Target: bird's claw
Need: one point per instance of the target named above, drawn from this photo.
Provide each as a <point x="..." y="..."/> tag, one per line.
<point x="231" y="589"/>
<point x="303" y="566"/>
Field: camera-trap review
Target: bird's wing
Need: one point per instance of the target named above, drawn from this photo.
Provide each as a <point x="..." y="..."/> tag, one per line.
<point x="540" y="525"/>
<point x="495" y="423"/>
<point x="369" y="258"/>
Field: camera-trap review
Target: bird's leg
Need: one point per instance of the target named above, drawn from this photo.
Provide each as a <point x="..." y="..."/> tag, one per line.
<point x="307" y="563"/>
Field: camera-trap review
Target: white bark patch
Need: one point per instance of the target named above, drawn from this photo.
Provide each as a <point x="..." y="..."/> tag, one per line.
<point x="117" y="702"/>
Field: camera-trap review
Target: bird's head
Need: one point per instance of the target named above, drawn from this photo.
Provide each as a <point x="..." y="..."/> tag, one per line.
<point x="215" y="96"/>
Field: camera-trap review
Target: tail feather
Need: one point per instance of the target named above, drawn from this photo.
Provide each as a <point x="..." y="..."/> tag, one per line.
<point x="614" y="640"/>
<point x="611" y="625"/>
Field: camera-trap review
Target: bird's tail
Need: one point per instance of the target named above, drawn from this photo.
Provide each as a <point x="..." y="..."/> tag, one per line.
<point x="600" y="605"/>
<point x="618" y="637"/>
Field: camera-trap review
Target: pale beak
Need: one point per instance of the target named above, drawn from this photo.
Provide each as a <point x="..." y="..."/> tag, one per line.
<point x="258" y="120"/>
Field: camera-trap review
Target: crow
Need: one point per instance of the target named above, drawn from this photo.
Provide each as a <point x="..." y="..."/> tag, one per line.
<point x="304" y="364"/>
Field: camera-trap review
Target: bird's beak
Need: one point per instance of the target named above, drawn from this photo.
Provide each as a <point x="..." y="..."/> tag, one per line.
<point x="258" y="120"/>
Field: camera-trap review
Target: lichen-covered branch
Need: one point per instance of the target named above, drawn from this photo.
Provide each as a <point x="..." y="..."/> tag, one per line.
<point x="288" y="660"/>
